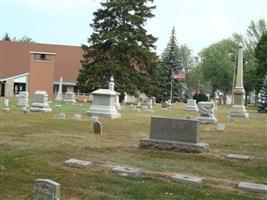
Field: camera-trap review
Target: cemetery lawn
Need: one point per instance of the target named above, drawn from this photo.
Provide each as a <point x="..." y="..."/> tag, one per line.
<point x="35" y="145"/>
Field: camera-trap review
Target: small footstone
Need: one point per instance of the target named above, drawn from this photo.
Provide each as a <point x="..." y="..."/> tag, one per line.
<point x="220" y="127"/>
<point x="61" y="116"/>
<point x="253" y="187"/>
<point x="77" y="117"/>
<point x="192" y="180"/>
<point x="97" y="127"/>
<point x="238" y="157"/>
<point x="126" y="171"/>
<point x="77" y="163"/>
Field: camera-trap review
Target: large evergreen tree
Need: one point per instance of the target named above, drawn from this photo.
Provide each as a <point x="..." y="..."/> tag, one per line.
<point x="261" y="60"/>
<point x="120" y="46"/>
<point x="171" y="61"/>
<point x="262" y="101"/>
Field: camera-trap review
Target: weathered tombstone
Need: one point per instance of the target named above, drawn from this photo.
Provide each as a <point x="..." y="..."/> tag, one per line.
<point x="126" y="171"/>
<point x="220" y="127"/>
<point x="69" y="97"/>
<point x="206" y="112"/>
<point x="238" y="108"/>
<point x="97" y="127"/>
<point x="174" y="134"/>
<point x="40" y="102"/>
<point x="153" y="100"/>
<point x="62" y="115"/>
<point x="238" y="157"/>
<point x="77" y="117"/>
<point x="164" y="105"/>
<point x="59" y="96"/>
<point x="46" y="189"/>
<point x="149" y="105"/>
<point x="23" y="99"/>
<point x="191" y="105"/>
<point x="6" y="105"/>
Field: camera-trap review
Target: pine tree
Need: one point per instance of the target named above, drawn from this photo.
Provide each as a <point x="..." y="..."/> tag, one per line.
<point x="6" y="37"/>
<point x="171" y="62"/>
<point x="262" y="101"/>
<point x="261" y="60"/>
<point x="120" y="46"/>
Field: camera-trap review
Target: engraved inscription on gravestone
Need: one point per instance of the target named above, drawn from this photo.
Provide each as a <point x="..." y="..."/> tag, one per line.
<point x="46" y="189"/>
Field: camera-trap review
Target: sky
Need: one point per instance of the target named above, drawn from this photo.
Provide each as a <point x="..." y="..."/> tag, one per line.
<point x="198" y="23"/>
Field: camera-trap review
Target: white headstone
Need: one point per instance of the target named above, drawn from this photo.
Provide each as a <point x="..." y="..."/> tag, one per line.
<point x="220" y="127"/>
<point x="23" y="99"/>
<point x="77" y="117"/>
<point x="191" y="105"/>
<point x="40" y="102"/>
<point x="6" y="105"/>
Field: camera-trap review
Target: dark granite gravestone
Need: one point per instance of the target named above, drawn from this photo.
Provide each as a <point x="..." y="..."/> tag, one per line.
<point x="177" y="134"/>
<point x="97" y="127"/>
<point x="46" y="189"/>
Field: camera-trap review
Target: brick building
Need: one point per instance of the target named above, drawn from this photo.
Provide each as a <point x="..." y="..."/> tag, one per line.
<point x="32" y="66"/>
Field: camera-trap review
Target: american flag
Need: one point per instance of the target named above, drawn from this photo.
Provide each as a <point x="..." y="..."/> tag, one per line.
<point x="178" y="75"/>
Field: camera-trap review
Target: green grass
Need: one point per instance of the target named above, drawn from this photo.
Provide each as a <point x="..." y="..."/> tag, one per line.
<point x="34" y="145"/>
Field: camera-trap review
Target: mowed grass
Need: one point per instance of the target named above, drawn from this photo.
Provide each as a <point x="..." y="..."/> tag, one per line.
<point x="35" y="145"/>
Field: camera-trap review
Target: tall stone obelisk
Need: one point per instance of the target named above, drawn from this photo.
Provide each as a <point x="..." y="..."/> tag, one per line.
<point x="59" y="96"/>
<point x="238" y="109"/>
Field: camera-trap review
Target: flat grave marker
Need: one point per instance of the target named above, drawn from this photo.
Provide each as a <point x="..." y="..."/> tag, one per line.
<point x="126" y="171"/>
<point x="253" y="187"/>
<point x="191" y="180"/>
<point x="77" y="163"/>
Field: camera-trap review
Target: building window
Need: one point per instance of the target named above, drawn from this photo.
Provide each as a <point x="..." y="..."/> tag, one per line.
<point x="42" y="57"/>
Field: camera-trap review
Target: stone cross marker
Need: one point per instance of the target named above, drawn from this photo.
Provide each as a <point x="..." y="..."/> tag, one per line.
<point x="46" y="189"/>
<point x="97" y="127"/>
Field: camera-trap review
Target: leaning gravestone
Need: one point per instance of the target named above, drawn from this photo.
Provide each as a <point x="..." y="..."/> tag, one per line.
<point x="69" y="97"/>
<point x="23" y="99"/>
<point x="97" y="127"/>
<point x="174" y="134"/>
<point x="191" y="105"/>
<point x="40" y="102"/>
<point x="46" y="189"/>
<point x="206" y="112"/>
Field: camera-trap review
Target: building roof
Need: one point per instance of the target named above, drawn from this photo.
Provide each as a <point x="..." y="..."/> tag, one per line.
<point x="15" y="59"/>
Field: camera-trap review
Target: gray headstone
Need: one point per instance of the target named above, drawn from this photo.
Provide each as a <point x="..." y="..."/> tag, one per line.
<point x="97" y="127"/>
<point x="46" y="189"/>
<point x="174" y="134"/>
<point x="181" y="130"/>
<point x="253" y="187"/>
<point x="220" y="127"/>
<point x="77" y="163"/>
<point x="164" y="105"/>
<point x="126" y="171"/>
<point x="192" y="180"/>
